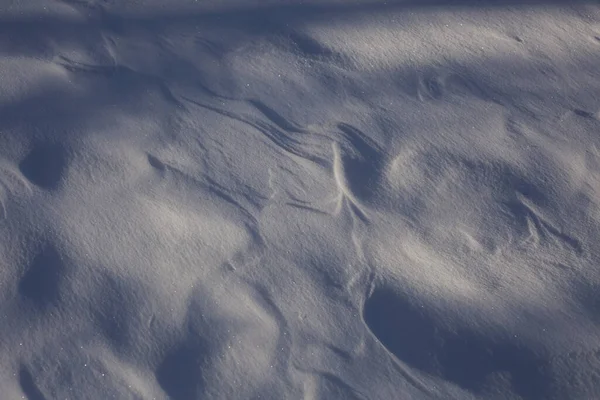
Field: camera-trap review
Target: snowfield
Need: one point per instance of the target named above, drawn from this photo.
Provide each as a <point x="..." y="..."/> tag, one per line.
<point x="296" y="199"/>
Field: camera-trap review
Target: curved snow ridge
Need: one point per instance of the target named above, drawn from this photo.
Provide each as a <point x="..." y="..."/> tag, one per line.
<point x="472" y="360"/>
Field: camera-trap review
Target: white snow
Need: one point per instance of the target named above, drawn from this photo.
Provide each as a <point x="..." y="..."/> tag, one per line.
<point x="299" y="199"/>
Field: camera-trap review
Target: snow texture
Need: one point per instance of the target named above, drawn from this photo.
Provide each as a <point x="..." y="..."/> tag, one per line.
<point x="244" y="199"/>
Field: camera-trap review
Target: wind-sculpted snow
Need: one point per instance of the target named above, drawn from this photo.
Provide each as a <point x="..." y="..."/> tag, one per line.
<point x="303" y="199"/>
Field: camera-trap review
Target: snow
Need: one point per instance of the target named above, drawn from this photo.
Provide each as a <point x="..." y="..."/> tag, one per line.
<point x="299" y="199"/>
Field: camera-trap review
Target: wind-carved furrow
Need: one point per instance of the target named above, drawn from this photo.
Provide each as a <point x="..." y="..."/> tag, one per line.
<point x="224" y="194"/>
<point x="357" y="165"/>
<point x="210" y="185"/>
<point x="306" y="208"/>
<point x="276" y="118"/>
<point x="345" y="196"/>
<point x="275" y="133"/>
<point x="363" y="161"/>
<point x="294" y="187"/>
<point x="540" y="229"/>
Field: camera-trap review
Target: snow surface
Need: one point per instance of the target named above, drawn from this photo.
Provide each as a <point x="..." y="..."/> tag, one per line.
<point x="299" y="199"/>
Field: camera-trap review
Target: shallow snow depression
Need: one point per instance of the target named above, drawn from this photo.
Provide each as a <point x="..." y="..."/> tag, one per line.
<point x="299" y="199"/>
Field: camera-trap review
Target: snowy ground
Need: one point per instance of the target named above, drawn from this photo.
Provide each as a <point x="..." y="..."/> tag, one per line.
<point x="299" y="199"/>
